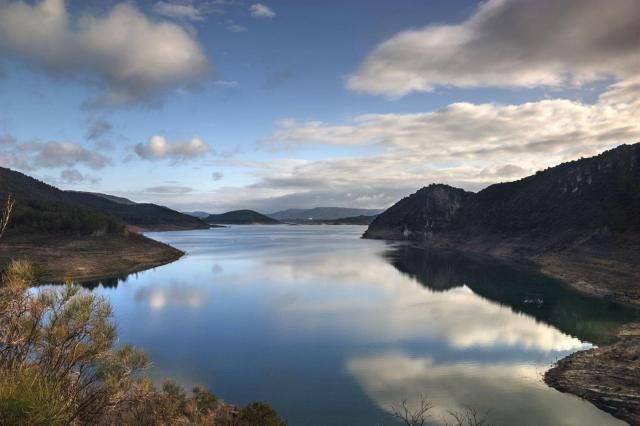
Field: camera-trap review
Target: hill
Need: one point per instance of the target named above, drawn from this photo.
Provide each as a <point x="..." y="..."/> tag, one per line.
<point x="115" y="199"/>
<point x="321" y="213"/>
<point x="73" y="235"/>
<point x="198" y="214"/>
<point x="35" y="197"/>
<point x="241" y="217"/>
<point x="579" y="221"/>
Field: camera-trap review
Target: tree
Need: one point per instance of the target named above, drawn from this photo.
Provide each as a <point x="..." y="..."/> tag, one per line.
<point x="5" y="214"/>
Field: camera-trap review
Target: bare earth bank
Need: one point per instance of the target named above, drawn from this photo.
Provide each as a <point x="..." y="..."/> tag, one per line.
<point x="62" y="258"/>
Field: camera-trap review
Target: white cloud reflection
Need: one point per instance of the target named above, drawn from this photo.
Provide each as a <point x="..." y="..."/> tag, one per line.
<point x="372" y="302"/>
<point x="526" y="400"/>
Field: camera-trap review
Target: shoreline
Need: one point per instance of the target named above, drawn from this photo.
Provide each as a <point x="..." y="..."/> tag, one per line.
<point x="60" y="259"/>
<point x="608" y="377"/>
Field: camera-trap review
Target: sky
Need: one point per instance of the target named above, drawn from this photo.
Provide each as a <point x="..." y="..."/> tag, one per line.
<point x="218" y="105"/>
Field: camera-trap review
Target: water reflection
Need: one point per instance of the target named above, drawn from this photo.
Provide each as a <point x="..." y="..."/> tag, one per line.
<point x="509" y="393"/>
<point x="588" y="318"/>
<point x="333" y="330"/>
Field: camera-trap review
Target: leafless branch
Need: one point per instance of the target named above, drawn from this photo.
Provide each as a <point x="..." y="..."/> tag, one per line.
<point x="5" y="215"/>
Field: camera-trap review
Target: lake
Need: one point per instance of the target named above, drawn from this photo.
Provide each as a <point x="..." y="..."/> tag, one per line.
<point x="331" y="329"/>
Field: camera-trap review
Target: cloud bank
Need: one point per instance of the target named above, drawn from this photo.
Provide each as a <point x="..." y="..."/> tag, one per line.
<point x="509" y="43"/>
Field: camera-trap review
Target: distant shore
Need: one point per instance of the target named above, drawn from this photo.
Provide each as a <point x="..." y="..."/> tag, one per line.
<point x="86" y="258"/>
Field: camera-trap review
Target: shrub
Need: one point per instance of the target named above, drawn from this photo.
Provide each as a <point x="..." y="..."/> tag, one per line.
<point x="58" y="365"/>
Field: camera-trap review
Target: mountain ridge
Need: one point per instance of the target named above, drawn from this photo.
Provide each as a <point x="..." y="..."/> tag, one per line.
<point x="578" y="221"/>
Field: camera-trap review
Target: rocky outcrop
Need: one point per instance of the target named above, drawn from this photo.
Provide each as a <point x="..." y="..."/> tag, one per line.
<point x="432" y="209"/>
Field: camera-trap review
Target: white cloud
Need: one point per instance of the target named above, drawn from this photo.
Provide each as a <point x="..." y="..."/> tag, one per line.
<point x="510" y="43"/>
<point x="465" y="145"/>
<point x="157" y="148"/>
<point x="35" y="155"/>
<point x="482" y="135"/>
<point x="132" y="57"/>
<point x="178" y="10"/>
<point x="259" y="10"/>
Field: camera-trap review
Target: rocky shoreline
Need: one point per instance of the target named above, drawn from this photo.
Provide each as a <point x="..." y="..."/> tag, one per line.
<point x="608" y="377"/>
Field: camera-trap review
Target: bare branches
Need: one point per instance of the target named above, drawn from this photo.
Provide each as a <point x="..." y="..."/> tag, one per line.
<point x="419" y="414"/>
<point x="470" y="417"/>
<point x="413" y="416"/>
<point x="5" y="214"/>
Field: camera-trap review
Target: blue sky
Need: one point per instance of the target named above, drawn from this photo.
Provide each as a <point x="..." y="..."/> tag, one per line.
<point x="216" y="105"/>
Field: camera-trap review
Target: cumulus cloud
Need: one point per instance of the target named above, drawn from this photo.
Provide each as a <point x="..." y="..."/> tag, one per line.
<point x="35" y="155"/>
<point x="157" y="148"/>
<point x="259" y="10"/>
<point x="512" y="43"/>
<point x="132" y="57"/>
<point x="216" y="176"/>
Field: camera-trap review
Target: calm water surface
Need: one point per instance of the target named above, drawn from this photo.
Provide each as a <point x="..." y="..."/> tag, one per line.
<point x="334" y="330"/>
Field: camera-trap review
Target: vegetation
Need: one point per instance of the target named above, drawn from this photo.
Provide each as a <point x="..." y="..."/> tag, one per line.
<point x="38" y="206"/>
<point x="241" y="217"/>
<point x="58" y="218"/>
<point x="59" y="366"/>
<point x="600" y="193"/>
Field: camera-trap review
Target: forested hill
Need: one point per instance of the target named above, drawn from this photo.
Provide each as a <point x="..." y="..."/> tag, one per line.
<point x="41" y="207"/>
<point x="600" y="193"/>
<point x="241" y="217"/>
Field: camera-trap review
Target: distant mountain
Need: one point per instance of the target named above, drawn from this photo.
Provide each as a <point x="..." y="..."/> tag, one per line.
<point x="49" y="203"/>
<point x="599" y="193"/>
<point x="241" y="217"/>
<point x="321" y="213"/>
<point x="198" y="214"/>
<point x="356" y="220"/>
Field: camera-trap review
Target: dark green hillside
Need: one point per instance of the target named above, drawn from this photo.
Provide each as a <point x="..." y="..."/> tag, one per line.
<point x="241" y="217"/>
<point x="600" y="193"/>
<point x="34" y="196"/>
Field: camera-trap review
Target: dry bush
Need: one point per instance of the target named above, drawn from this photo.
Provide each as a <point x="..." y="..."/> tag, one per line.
<point x="58" y="365"/>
